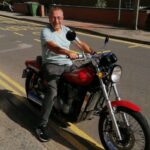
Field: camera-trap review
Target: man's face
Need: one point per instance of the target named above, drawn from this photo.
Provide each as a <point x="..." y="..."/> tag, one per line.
<point x="56" y="19"/>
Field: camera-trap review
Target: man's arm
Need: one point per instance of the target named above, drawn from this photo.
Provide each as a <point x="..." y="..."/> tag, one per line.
<point x="55" y="48"/>
<point x="84" y="46"/>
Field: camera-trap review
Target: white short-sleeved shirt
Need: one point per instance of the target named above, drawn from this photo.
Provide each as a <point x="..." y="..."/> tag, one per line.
<point x="48" y="34"/>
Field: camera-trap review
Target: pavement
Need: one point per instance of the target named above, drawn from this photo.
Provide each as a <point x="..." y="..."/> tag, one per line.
<point x="137" y="36"/>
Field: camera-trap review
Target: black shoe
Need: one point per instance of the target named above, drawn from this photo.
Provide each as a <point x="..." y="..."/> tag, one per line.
<point x="42" y="133"/>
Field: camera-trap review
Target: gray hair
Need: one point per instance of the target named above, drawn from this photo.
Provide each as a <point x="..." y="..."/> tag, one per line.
<point x="54" y="8"/>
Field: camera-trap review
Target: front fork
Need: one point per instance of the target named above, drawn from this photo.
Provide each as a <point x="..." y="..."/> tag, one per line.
<point x="111" y="111"/>
<point x="118" y="98"/>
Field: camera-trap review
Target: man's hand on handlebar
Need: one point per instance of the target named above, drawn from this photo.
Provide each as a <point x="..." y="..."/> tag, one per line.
<point x="93" y="52"/>
<point x="73" y="55"/>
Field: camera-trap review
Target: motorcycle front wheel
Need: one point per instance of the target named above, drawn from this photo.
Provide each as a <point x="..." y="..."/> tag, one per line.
<point x="135" y="135"/>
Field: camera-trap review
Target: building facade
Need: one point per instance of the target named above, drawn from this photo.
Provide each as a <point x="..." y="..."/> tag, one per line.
<point x="94" y="3"/>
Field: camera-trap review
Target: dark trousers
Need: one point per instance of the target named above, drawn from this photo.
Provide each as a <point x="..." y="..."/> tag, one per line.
<point x="51" y="73"/>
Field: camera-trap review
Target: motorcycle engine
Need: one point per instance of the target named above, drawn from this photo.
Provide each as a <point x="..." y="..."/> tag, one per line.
<point x="71" y="97"/>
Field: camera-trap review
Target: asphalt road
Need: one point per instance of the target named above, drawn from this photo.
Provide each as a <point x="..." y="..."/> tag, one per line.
<point x="19" y="42"/>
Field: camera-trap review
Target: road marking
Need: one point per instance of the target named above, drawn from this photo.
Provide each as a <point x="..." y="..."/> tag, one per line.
<point x="21" y="89"/>
<point x="31" y="23"/>
<point x="133" y="46"/>
<point x="21" y="21"/>
<point x="37" y="40"/>
<point x="5" y="85"/>
<point x="140" y="45"/>
<point x="115" y="40"/>
<point x="91" y="35"/>
<point x="64" y="134"/>
<point x="11" y="81"/>
<point x="18" y="28"/>
<point x="18" y="34"/>
<point x="82" y="33"/>
<point x="13" y="28"/>
<point x="83" y="135"/>
<point x="68" y="137"/>
<point x="1" y="28"/>
<point x="36" y="33"/>
<point x="7" y="22"/>
<point x="20" y="47"/>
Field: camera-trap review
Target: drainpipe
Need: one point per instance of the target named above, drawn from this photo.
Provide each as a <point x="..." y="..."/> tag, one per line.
<point x="119" y="12"/>
<point x="136" y="14"/>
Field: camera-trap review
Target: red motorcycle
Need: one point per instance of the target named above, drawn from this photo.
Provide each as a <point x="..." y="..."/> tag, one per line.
<point x="84" y="91"/>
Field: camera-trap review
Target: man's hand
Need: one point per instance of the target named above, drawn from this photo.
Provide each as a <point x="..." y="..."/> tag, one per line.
<point x="73" y="55"/>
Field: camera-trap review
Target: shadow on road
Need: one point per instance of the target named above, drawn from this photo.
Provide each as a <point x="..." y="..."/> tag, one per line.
<point x="15" y="107"/>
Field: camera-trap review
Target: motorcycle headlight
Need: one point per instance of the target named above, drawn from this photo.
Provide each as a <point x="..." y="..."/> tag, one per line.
<point x="116" y="73"/>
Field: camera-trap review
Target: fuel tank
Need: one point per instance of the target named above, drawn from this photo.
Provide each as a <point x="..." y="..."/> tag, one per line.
<point x="80" y="76"/>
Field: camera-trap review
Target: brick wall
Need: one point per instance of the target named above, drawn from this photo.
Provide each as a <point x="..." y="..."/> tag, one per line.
<point x="21" y="8"/>
<point x="97" y="15"/>
<point x="105" y="16"/>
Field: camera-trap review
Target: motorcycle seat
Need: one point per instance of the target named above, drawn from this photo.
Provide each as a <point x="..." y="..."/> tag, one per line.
<point x="34" y="64"/>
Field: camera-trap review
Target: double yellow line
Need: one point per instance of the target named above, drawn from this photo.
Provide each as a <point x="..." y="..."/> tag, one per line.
<point x="11" y="85"/>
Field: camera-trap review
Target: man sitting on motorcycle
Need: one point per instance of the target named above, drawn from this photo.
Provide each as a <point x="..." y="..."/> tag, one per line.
<point x="56" y="57"/>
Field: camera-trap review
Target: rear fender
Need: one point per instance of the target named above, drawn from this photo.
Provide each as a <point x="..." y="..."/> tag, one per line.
<point x="127" y="104"/>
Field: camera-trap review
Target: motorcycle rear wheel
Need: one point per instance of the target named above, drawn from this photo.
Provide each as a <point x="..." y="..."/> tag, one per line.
<point x="28" y="82"/>
<point x="136" y="136"/>
<point x="29" y="86"/>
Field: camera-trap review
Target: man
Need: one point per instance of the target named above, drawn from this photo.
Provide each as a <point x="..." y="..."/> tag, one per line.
<point x="56" y="58"/>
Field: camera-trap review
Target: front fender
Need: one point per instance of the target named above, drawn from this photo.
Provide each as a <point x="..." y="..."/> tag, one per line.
<point x="127" y="104"/>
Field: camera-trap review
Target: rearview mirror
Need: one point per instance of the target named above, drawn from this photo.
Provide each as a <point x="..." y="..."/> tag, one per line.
<point x="106" y="39"/>
<point x="71" y="35"/>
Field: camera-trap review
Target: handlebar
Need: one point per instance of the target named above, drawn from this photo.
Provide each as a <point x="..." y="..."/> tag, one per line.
<point x="87" y="56"/>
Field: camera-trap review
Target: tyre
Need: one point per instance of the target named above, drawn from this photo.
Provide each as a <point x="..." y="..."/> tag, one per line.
<point x="29" y="82"/>
<point x="29" y="88"/>
<point x="135" y="136"/>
